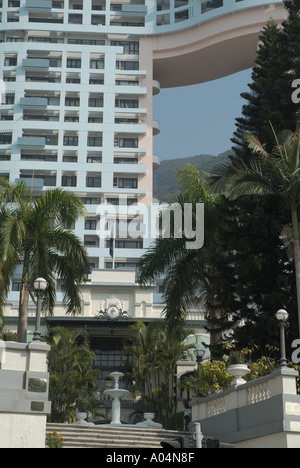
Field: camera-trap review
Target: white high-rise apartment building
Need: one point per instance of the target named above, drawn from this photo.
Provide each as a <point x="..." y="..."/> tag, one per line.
<point x="77" y="107"/>
<point x="80" y="76"/>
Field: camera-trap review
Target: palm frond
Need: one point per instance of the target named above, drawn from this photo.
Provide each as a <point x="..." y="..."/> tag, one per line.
<point x="238" y="179"/>
<point x="62" y="207"/>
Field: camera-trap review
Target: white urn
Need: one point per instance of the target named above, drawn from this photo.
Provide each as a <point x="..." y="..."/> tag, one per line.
<point x="238" y="371"/>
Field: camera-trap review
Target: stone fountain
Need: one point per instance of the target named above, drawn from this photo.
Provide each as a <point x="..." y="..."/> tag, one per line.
<point x="116" y="394"/>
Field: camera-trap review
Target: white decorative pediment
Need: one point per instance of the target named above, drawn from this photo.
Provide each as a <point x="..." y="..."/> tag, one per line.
<point x="112" y="308"/>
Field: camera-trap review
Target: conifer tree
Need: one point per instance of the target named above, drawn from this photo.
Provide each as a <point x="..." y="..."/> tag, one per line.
<point x="269" y="98"/>
<point x="264" y="270"/>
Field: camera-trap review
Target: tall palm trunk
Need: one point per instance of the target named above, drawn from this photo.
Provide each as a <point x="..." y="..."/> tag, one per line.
<point x="23" y="312"/>
<point x="216" y="333"/>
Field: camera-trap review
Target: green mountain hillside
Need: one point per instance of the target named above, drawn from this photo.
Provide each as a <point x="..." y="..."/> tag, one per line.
<point x="165" y="184"/>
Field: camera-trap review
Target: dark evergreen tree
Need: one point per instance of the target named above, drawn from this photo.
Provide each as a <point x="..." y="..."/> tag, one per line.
<point x="262" y="271"/>
<point x="291" y="30"/>
<point x="269" y="98"/>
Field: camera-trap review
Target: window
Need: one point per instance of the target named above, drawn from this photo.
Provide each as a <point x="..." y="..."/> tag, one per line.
<point x="90" y="224"/>
<point x="10" y="61"/>
<point x="70" y="140"/>
<point x="95" y="141"/>
<point x="75" y="19"/>
<point x="109" y="354"/>
<point x="5" y="157"/>
<point x="70" y="159"/>
<point x="127" y="142"/>
<point x="5" y="138"/>
<point x="127" y="103"/>
<point x="125" y="183"/>
<point x="127" y="65"/>
<point x="9" y="99"/>
<point x="97" y="64"/>
<point x="16" y="285"/>
<point x="73" y="63"/>
<point x="123" y="244"/>
<point x="130" y="48"/>
<point x="96" y="102"/>
<point x="73" y="80"/>
<point x="181" y="16"/>
<point x="69" y="181"/>
<point x="72" y="118"/>
<point x="72" y="102"/>
<point x="6" y="116"/>
<point x="49" y="181"/>
<point x="94" y="159"/>
<point x="93" y="181"/>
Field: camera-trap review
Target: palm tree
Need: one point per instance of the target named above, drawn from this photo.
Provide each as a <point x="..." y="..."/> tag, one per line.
<point x="153" y="370"/>
<point x="192" y="276"/>
<point x="73" y="381"/>
<point x="275" y="174"/>
<point x="37" y="234"/>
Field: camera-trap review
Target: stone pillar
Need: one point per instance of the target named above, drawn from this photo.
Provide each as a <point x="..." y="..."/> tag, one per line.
<point x="24" y="388"/>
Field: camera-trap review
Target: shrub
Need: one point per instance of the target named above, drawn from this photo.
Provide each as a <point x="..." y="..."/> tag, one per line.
<point x="54" y="440"/>
<point x="6" y="335"/>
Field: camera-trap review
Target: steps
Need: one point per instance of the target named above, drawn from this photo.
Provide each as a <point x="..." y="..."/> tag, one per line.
<point x="112" y="437"/>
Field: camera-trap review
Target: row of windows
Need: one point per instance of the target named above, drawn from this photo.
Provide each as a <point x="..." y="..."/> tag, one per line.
<point x="67" y="157"/>
<point x="91" y="182"/>
<point x="72" y="140"/>
<point x="72" y="18"/>
<point x="129" y="47"/>
<point x="71" y="78"/>
<point x="11" y="60"/>
<point x="71" y="101"/>
<point x="54" y="116"/>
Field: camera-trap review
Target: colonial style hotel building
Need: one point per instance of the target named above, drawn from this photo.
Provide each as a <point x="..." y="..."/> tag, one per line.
<point x="77" y="113"/>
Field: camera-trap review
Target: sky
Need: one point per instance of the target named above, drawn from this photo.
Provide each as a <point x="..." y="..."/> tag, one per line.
<point x="199" y="119"/>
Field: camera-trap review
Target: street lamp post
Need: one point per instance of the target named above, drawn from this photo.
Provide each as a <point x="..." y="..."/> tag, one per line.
<point x="199" y="353"/>
<point x="282" y="317"/>
<point x="40" y="286"/>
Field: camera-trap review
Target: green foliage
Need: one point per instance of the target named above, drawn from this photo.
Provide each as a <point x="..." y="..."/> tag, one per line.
<point x="72" y="378"/>
<point x="54" y="440"/>
<point x="269" y="95"/>
<point x="236" y="357"/>
<point x="192" y="276"/>
<point x="165" y="184"/>
<point x="38" y="232"/>
<point x="263" y="366"/>
<point x="6" y="335"/>
<point x="155" y="354"/>
<point x="213" y="378"/>
<point x="273" y="176"/>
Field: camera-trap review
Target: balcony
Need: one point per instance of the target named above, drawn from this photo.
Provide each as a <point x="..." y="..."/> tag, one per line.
<point x="156" y="127"/>
<point x="32" y="142"/>
<point x="135" y="9"/>
<point x="34" y="103"/>
<point x="156" y="162"/>
<point x="34" y="184"/>
<point x="156" y="87"/>
<point x="36" y="64"/>
<point x="41" y="5"/>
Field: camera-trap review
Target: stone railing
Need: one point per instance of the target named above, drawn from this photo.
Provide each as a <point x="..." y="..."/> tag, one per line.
<point x="261" y="413"/>
<point x="24" y="386"/>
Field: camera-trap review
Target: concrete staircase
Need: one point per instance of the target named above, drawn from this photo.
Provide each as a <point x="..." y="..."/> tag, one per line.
<point x="112" y="437"/>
